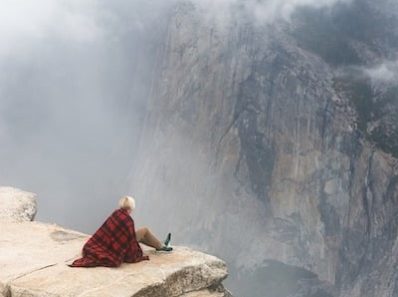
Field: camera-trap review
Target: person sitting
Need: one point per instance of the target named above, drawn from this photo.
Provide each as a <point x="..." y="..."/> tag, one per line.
<point x="117" y="241"/>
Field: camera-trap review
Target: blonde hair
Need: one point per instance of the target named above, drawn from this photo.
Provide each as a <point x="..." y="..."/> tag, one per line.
<point x="127" y="202"/>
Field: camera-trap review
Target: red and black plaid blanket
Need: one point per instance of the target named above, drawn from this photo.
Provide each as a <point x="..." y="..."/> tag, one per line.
<point x="113" y="243"/>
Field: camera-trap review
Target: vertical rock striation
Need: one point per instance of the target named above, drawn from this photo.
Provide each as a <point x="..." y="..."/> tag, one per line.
<point x="275" y="142"/>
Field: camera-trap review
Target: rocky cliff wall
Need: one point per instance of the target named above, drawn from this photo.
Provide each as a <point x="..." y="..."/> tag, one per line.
<point x="267" y="129"/>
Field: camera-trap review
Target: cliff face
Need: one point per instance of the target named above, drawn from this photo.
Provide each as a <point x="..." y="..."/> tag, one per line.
<point x="33" y="258"/>
<point x="276" y="143"/>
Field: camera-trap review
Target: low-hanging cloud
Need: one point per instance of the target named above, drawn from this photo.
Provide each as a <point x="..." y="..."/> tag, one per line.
<point x="271" y="10"/>
<point x="24" y="23"/>
<point x="384" y="72"/>
<point x="264" y="11"/>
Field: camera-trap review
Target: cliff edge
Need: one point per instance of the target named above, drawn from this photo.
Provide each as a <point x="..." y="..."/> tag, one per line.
<point x="34" y="258"/>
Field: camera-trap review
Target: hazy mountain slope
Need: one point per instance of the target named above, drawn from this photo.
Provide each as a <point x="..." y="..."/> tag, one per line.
<point x="272" y="145"/>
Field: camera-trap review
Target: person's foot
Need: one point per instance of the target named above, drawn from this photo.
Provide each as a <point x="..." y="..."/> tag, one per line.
<point x="165" y="249"/>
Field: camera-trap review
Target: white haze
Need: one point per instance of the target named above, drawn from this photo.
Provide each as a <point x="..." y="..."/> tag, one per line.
<point x="384" y="72"/>
<point x="74" y="79"/>
<point x="75" y="75"/>
<point x="262" y="11"/>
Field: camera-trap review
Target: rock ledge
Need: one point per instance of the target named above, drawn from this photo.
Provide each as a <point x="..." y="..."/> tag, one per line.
<point x="34" y="258"/>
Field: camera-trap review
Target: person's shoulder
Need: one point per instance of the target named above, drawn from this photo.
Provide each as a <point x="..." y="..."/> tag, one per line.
<point x="122" y="213"/>
<point x="116" y="211"/>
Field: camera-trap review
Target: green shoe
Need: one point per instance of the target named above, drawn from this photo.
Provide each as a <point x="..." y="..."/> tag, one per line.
<point x="167" y="241"/>
<point x="166" y="246"/>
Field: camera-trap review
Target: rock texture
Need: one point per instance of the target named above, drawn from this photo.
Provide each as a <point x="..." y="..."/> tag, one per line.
<point x="34" y="258"/>
<point x="17" y="205"/>
<point x="277" y="144"/>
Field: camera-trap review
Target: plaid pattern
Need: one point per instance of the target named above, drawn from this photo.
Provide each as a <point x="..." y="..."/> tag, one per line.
<point x="113" y="243"/>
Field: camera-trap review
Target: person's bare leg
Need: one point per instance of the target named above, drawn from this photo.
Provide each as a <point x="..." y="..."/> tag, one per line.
<point x="145" y="236"/>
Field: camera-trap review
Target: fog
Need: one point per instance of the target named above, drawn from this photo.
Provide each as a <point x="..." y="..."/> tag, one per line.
<point x="74" y="79"/>
<point x="265" y="11"/>
<point x="384" y="72"/>
<point x="74" y="82"/>
<point x="76" y="76"/>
